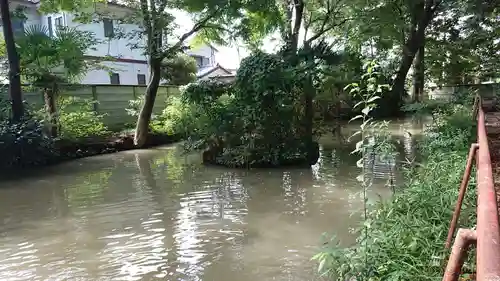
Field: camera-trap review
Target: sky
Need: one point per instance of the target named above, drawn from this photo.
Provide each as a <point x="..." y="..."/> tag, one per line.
<point x="228" y="56"/>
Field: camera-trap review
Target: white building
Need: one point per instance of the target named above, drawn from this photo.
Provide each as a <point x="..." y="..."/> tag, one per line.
<point x="129" y="66"/>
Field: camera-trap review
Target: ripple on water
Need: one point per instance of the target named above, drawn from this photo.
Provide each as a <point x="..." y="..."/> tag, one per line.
<point x="155" y="215"/>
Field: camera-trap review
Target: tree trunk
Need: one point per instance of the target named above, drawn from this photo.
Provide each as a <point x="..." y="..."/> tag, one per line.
<point x="413" y="43"/>
<point x="309" y="94"/>
<point x="419" y="74"/>
<point x="142" y="127"/>
<point x="50" y="108"/>
<point x="14" y="68"/>
<point x="418" y="67"/>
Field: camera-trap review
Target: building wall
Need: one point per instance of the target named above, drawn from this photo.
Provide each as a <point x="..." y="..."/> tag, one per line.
<point x="117" y="48"/>
<point x="203" y="51"/>
<point x="127" y="72"/>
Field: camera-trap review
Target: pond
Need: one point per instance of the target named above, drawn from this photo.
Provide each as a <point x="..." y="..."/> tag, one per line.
<point x="159" y="214"/>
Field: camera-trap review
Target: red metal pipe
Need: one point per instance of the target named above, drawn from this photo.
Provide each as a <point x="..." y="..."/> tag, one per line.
<point x="488" y="232"/>
<point x="465" y="237"/>
<point x="461" y="194"/>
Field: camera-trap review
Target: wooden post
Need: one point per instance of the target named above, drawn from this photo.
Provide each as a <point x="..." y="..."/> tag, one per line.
<point x="95" y="98"/>
<point x="134" y="94"/>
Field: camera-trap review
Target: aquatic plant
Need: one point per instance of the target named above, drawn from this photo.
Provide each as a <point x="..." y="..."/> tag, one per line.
<point x="403" y="238"/>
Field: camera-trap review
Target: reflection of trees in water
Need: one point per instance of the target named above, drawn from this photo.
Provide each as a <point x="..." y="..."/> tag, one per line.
<point x="205" y="205"/>
<point x="295" y="184"/>
<point x="89" y="188"/>
<point x="229" y="197"/>
<point x="408" y="143"/>
<point x="168" y="250"/>
<point x="379" y="166"/>
<point x="328" y="165"/>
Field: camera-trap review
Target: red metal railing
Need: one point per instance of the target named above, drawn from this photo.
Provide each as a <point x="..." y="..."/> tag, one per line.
<point x="487" y="233"/>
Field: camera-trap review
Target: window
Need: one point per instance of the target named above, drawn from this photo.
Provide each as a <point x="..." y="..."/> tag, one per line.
<point x="199" y="61"/>
<point x="108" y="28"/>
<point x="114" y="78"/>
<point x="17" y="25"/>
<point x="49" y="24"/>
<point x="141" y="79"/>
<point x="58" y="22"/>
<point x="205" y="62"/>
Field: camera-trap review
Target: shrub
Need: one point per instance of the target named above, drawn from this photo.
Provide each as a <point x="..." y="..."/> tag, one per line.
<point x="179" y="118"/>
<point x="405" y="235"/>
<point x="24" y="144"/>
<point x="257" y="121"/>
<point x="77" y="119"/>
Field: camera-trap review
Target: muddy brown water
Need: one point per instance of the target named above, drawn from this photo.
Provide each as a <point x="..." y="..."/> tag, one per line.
<point x="159" y="214"/>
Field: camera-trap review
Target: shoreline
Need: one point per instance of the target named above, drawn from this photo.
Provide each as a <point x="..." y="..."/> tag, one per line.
<point x="69" y="150"/>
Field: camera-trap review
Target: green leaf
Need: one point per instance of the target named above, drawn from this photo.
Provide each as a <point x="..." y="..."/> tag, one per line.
<point x="321" y="265"/>
<point x="366" y="110"/>
<point x="372" y="99"/>
<point x="356" y="117"/>
<point x="353" y="135"/>
<point x="360" y="178"/>
<point x="358" y="104"/>
<point x="359" y="147"/>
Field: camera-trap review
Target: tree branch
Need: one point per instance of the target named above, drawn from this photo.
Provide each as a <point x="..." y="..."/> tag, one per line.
<point x="325" y="30"/>
<point x="331" y="13"/>
<point x="196" y="27"/>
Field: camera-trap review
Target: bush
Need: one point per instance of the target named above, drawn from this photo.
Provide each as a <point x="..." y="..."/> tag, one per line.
<point x="404" y="237"/>
<point x="77" y="119"/>
<point x="177" y="118"/>
<point x="24" y="144"/>
<point x="257" y="121"/>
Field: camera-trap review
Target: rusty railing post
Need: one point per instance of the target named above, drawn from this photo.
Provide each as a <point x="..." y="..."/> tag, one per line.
<point x="465" y="237"/>
<point x="461" y="194"/>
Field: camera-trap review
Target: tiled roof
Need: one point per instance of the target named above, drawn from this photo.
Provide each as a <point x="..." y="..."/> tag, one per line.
<point x="205" y="71"/>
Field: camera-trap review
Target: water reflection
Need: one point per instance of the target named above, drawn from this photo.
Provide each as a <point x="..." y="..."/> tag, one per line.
<point x="161" y="215"/>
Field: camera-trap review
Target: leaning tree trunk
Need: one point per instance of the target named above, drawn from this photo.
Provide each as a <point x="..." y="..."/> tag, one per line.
<point x="413" y="43"/>
<point x="50" y="109"/>
<point x="142" y="128"/>
<point x="418" y="75"/>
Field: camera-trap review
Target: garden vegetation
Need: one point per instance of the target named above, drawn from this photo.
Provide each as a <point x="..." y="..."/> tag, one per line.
<point x="403" y="238"/>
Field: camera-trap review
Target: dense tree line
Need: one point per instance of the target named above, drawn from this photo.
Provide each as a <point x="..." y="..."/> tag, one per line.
<point x="323" y="42"/>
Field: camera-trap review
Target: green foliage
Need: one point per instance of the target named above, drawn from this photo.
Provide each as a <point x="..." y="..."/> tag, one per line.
<point x="180" y="70"/>
<point x="205" y="92"/>
<point x="427" y="108"/>
<point x="387" y="104"/>
<point x="54" y="6"/>
<point x="24" y="144"/>
<point x="405" y="234"/>
<point x="463" y="46"/>
<point x="180" y="118"/>
<point x="78" y="119"/>
<point x="134" y="106"/>
<point x="49" y="59"/>
<point x="255" y="121"/>
<point x="453" y="129"/>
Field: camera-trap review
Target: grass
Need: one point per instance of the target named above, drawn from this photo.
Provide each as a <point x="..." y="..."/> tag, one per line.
<point x="406" y="234"/>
